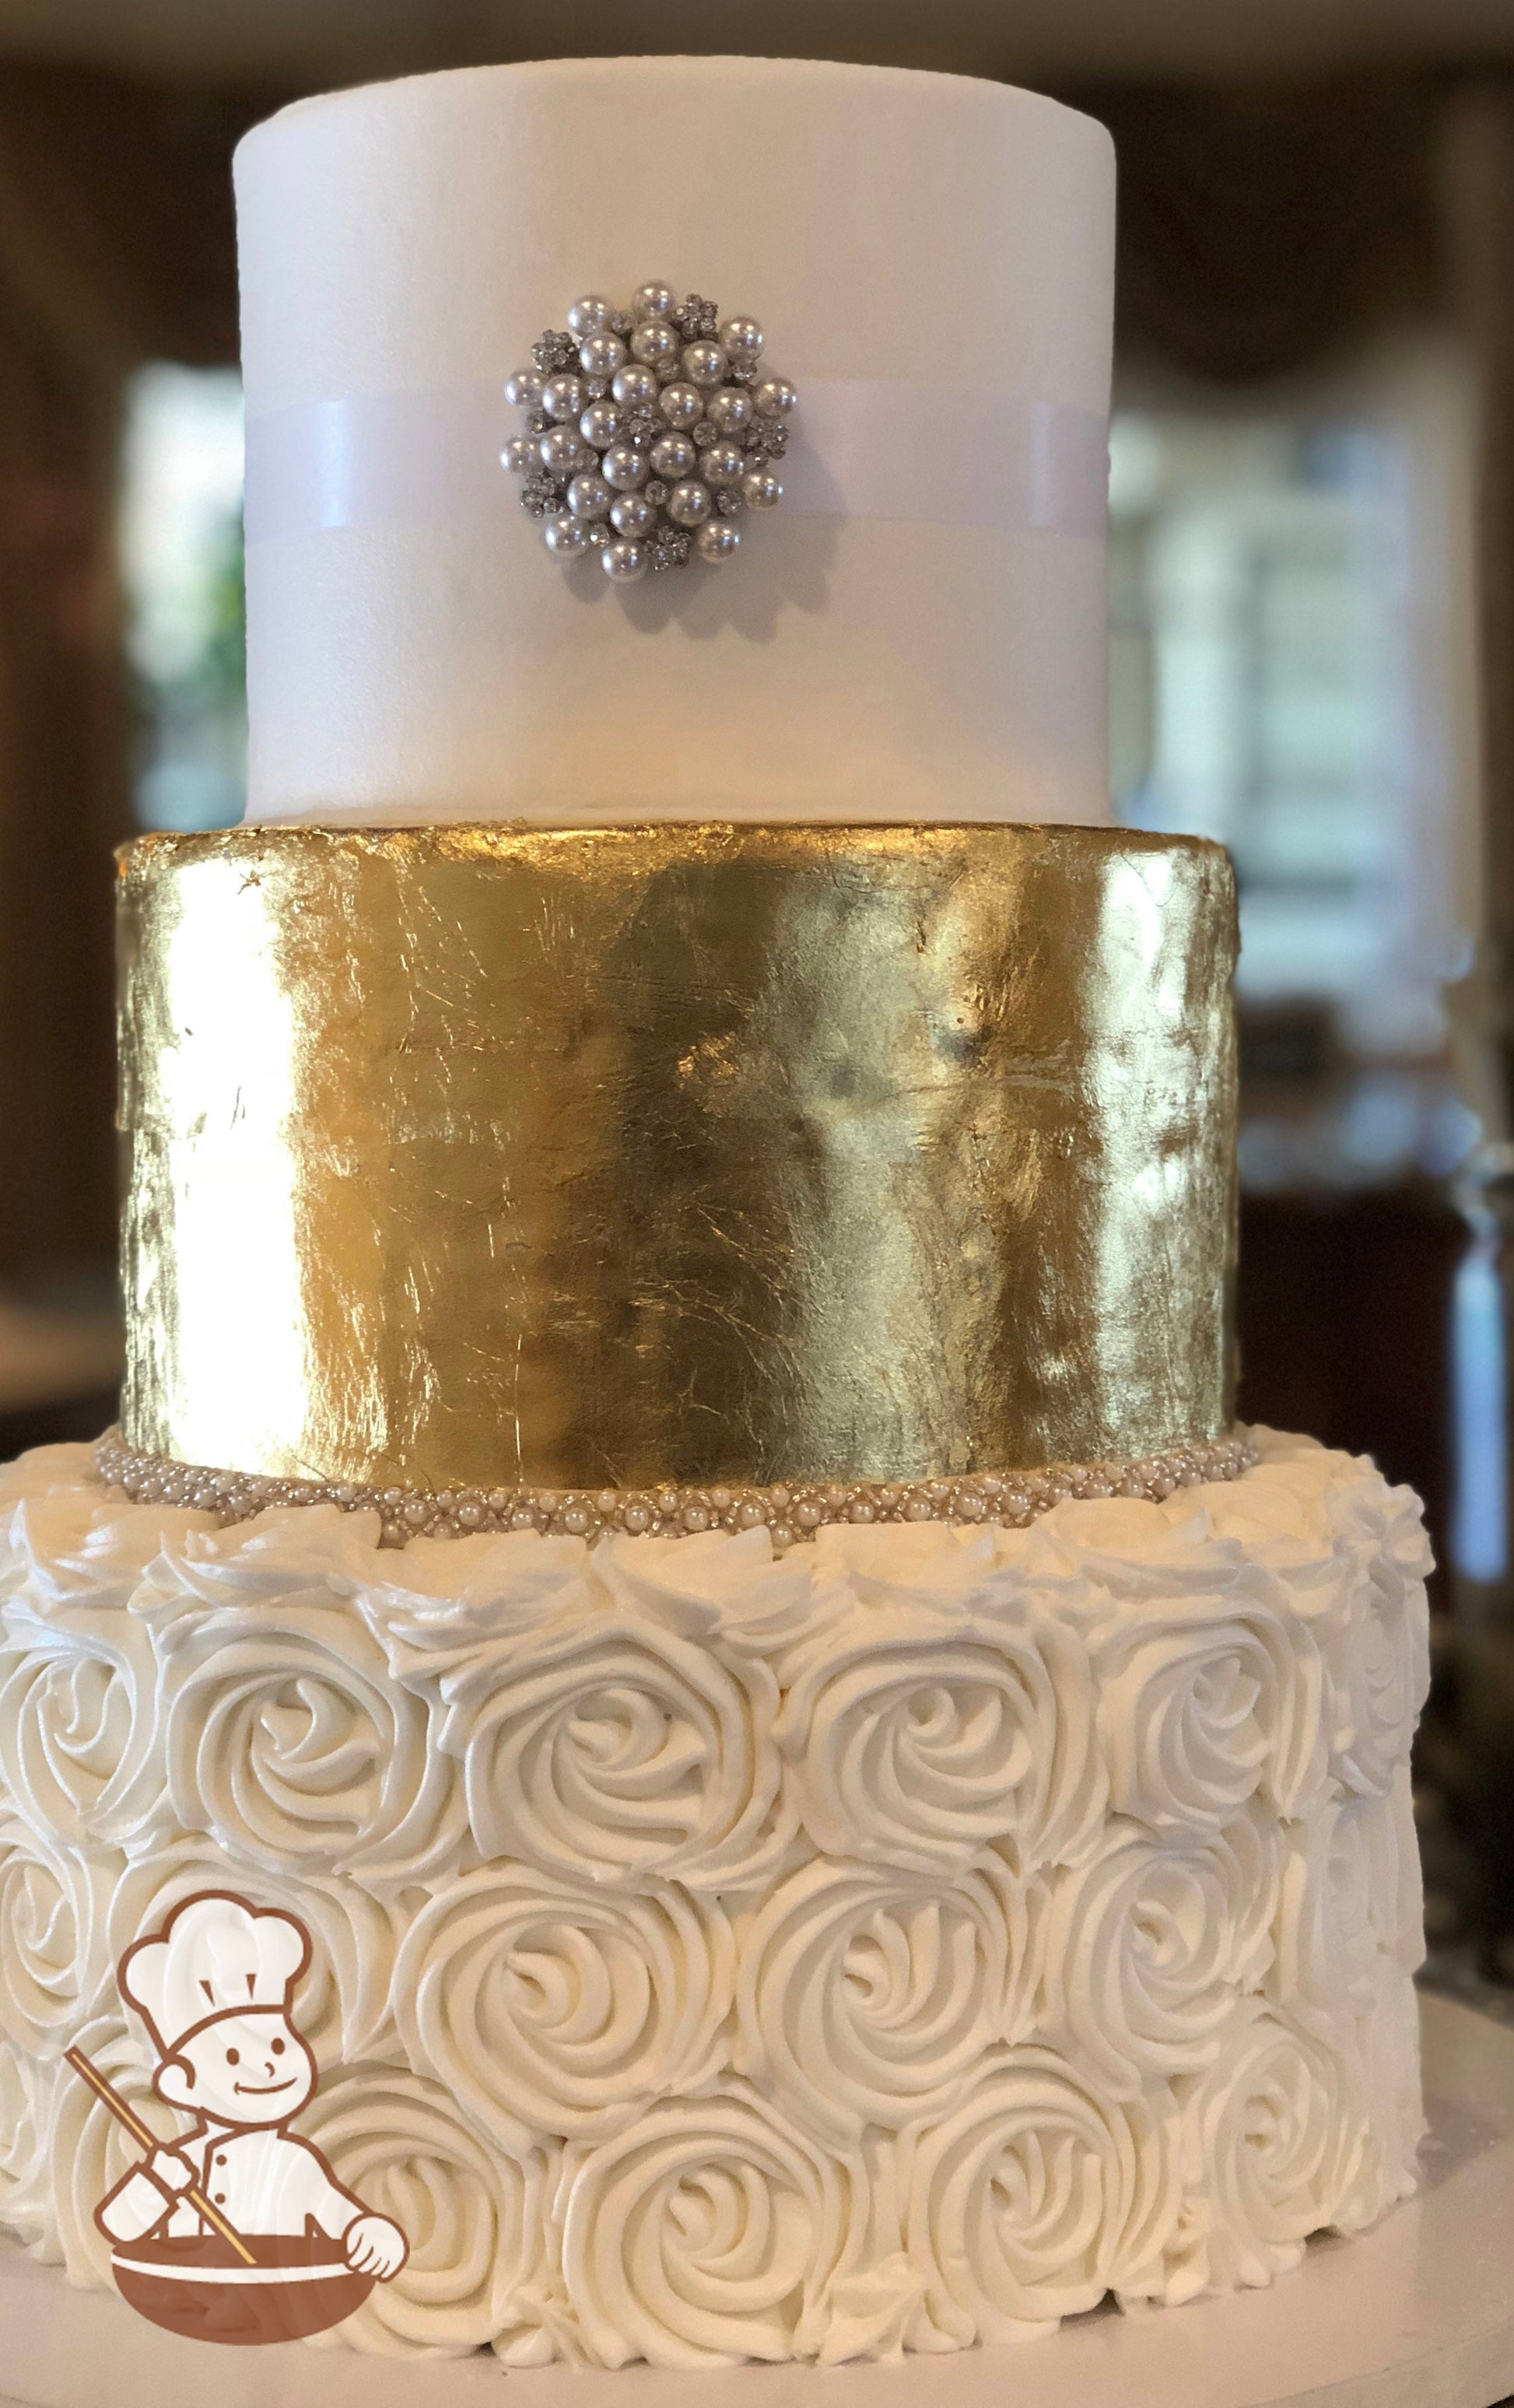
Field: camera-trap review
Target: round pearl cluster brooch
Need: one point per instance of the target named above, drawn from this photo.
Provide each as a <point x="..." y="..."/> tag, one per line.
<point x="650" y="432"/>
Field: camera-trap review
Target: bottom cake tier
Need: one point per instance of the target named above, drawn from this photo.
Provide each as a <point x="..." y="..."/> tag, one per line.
<point x="904" y="1942"/>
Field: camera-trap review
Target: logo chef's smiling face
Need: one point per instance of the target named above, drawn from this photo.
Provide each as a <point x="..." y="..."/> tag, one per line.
<point x="252" y="2068"/>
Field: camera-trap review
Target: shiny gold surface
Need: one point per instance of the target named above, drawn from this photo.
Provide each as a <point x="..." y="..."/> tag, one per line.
<point x="610" y="1157"/>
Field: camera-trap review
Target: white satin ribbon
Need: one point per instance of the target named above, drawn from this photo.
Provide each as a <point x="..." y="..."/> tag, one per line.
<point x="937" y="454"/>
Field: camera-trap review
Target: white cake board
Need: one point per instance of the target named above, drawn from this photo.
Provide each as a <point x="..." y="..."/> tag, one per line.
<point x="1419" y="2313"/>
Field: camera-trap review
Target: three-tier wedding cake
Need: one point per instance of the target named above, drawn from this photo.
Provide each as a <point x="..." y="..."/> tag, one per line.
<point x="677" y="1501"/>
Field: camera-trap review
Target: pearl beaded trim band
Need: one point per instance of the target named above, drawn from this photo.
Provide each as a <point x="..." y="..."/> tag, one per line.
<point x="648" y="433"/>
<point x="791" y="1512"/>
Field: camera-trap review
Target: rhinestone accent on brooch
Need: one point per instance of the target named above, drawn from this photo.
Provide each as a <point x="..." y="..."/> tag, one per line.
<point x="650" y="432"/>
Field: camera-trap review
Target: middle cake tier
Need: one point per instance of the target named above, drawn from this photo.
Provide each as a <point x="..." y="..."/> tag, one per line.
<point x="602" y="1157"/>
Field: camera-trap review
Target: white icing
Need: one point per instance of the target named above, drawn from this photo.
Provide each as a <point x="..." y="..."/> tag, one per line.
<point x="343" y="1998"/>
<point x="1274" y="2136"/>
<point x="80" y="1726"/>
<point x="733" y="1591"/>
<point x="704" y="2234"/>
<point x="1205" y="1703"/>
<point x="870" y="1997"/>
<point x="1148" y="1948"/>
<point x="1389" y="2036"/>
<point x="284" y="1736"/>
<point x="915" y="1743"/>
<point x="1350" y="1891"/>
<point x="88" y="2151"/>
<point x="550" y="2012"/>
<point x="473" y="2218"/>
<point x="904" y="1942"/>
<point x="1038" y="2195"/>
<point x="81" y="1737"/>
<point x="53" y="1960"/>
<point x="604" y="1748"/>
<point x="25" y="2091"/>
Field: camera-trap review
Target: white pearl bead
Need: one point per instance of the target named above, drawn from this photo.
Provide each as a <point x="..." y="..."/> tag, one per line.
<point x="632" y="514"/>
<point x="563" y="397"/>
<point x="519" y="453"/>
<point x="624" y="562"/>
<point x="680" y="405"/>
<point x="522" y="391"/>
<point x="601" y="355"/>
<point x="760" y="490"/>
<point x="652" y="300"/>
<point x="743" y="339"/>
<point x="623" y="467"/>
<point x="589" y="497"/>
<point x="716" y="542"/>
<point x="590" y="316"/>
<point x="672" y="455"/>
<point x="775" y="399"/>
<point x="729" y="410"/>
<point x="568" y="537"/>
<point x="654" y="340"/>
<point x="705" y="363"/>
<point x="635" y="387"/>
<point x="600" y="424"/>
<point x="559" y="449"/>
<point x="722" y="464"/>
<point x="688" y="504"/>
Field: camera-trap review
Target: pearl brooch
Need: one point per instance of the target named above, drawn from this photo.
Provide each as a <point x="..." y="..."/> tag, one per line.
<point x="648" y="432"/>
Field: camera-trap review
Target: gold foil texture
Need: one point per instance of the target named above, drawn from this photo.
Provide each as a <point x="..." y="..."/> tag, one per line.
<point x="694" y="1153"/>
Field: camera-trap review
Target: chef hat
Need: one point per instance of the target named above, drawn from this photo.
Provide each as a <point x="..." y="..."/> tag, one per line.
<point x="215" y="1956"/>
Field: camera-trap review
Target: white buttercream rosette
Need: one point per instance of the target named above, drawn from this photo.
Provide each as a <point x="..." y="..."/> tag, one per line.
<point x="706" y="2233"/>
<point x="1377" y="1656"/>
<point x="81" y="1728"/>
<point x="474" y="2219"/>
<point x="1350" y="1891"/>
<point x="342" y="2001"/>
<point x="1389" y="2036"/>
<point x="1038" y="2195"/>
<point x="871" y="1997"/>
<point x="66" y="1539"/>
<point x="53" y="1952"/>
<point x="915" y="1743"/>
<point x="1148" y="1947"/>
<point x="1348" y="1556"/>
<point x="714" y="1585"/>
<point x="25" y="2100"/>
<point x="431" y="1603"/>
<point x="608" y="1748"/>
<point x="1275" y="2147"/>
<point x="287" y="1739"/>
<point x="1204" y="1704"/>
<point x="89" y="2153"/>
<point x="81" y="1751"/>
<point x="547" y="2009"/>
<point x="936" y="2082"/>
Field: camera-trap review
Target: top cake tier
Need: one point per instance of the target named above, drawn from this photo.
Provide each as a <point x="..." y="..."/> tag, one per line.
<point x="916" y="633"/>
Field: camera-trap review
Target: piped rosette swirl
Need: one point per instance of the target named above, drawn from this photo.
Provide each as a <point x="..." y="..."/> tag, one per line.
<point x="723" y="1952"/>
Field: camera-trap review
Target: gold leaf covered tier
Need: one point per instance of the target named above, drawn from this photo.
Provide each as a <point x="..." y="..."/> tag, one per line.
<point x="601" y="1157"/>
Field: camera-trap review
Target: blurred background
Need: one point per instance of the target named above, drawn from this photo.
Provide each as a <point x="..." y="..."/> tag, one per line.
<point x="1311" y="610"/>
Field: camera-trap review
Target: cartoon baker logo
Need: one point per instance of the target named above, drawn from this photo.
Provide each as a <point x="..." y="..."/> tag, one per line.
<point x="237" y="2231"/>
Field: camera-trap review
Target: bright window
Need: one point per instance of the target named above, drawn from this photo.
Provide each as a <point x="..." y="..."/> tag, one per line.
<point x="1291" y="672"/>
<point x="180" y="548"/>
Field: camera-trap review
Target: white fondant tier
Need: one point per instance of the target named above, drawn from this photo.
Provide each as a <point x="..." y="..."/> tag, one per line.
<point x="416" y="654"/>
<point x="902" y="1943"/>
